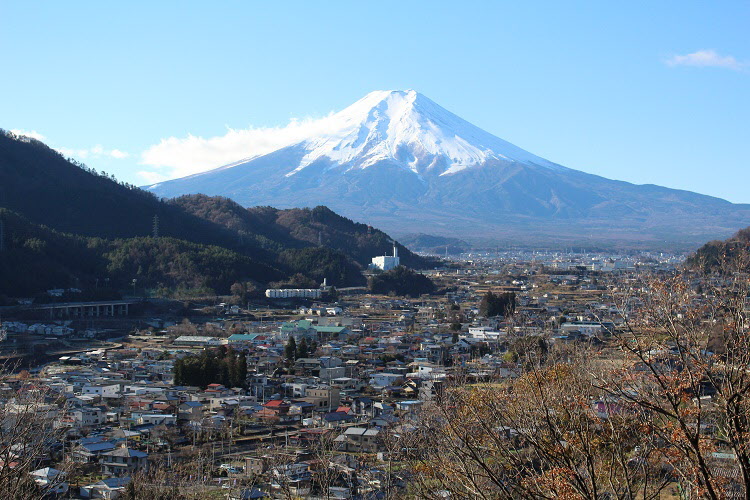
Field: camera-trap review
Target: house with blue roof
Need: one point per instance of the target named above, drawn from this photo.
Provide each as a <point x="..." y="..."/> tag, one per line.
<point x="90" y="452"/>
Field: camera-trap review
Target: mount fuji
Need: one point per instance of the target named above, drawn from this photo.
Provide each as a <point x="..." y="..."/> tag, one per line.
<point x="398" y="160"/>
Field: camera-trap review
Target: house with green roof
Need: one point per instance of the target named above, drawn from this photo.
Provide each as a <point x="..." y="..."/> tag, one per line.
<point x="298" y="329"/>
<point x="304" y="328"/>
<point x="326" y="333"/>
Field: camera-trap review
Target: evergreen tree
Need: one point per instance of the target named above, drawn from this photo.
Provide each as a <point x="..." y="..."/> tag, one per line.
<point x="191" y="371"/>
<point x="179" y="372"/>
<point x="234" y="376"/>
<point x="209" y="371"/>
<point x="502" y="304"/>
<point x="302" y="349"/>
<point x="226" y="377"/>
<point x="290" y="351"/>
<point x="222" y="366"/>
<point x="242" y="370"/>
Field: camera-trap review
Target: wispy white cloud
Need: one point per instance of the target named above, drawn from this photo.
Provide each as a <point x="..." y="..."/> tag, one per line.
<point x="116" y="153"/>
<point x="93" y="153"/>
<point x="151" y="177"/>
<point x="707" y="58"/>
<point x="74" y="153"/>
<point x="33" y="134"/>
<point x="177" y="157"/>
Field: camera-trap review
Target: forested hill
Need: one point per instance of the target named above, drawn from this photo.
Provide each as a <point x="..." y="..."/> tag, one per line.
<point x="35" y="258"/>
<point x="435" y="245"/>
<point x="731" y="252"/>
<point x="58" y="211"/>
<point x="299" y="227"/>
<point x="39" y="183"/>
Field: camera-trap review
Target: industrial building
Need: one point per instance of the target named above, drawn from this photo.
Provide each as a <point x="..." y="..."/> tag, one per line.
<point x="386" y="262"/>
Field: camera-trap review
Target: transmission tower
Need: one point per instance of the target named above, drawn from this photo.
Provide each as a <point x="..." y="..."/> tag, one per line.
<point x="155" y="227"/>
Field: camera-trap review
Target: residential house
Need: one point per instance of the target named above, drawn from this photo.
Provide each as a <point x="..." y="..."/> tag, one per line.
<point x="325" y="333"/>
<point x="297" y="329"/>
<point x="379" y="380"/>
<point x="50" y="481"/>
<point x="109" y="489"/>
<point x="102" y="390"/>
<point x="308" y="365"/>
<point x="156" y="419"/>
<point x="245" y="494"/>
<point x="359" y="439"/>
<point x="190" y="410"/>
<point x="123" y="461"/>
<point x="323" y="396"/>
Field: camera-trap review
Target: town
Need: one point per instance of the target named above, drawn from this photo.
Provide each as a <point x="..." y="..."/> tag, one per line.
<point x="290" y="395"/>
<point x="344" y="250"/>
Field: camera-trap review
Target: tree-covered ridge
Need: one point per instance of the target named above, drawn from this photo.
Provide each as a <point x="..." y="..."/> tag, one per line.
<point x="39" y="183"/>
<point x="435" y="244"/>
<point x="173" y="263"/>
<point x="261" y="233"/>
<point x="714" y="254"/>
<point x="299" y="227"/>
<point x="35" y="258"/>
<point x="360" y="241"/>
<point x="401" y="281"/>
<point x="323" y="263"/>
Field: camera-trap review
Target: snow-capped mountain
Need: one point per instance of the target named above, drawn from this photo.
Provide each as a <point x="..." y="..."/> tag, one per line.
<point x="410" y="130"/>
<point x="398" y="160"/>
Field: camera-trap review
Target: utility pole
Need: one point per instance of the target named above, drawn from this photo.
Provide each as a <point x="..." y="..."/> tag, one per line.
<point x="231" y="432"/>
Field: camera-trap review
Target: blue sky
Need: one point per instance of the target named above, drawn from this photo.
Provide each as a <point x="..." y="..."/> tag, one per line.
<point x="647" y="92"/>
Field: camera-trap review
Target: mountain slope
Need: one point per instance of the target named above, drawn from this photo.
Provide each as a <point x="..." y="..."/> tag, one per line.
<point x="41" y="184"/>
<point x="57" y="210"/>
<point x="298" y="228"/>
<point x="436" y="245"/>
<point x="35" y="258"/>
<point x="399" y="161"/>
<point x="727" y="256"/>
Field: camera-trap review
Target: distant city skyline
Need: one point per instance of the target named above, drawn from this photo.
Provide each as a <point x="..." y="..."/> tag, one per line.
<point x="655" y="93"/>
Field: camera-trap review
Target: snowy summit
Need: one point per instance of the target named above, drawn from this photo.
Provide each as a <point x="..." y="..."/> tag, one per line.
<point x="409" y="129"/>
